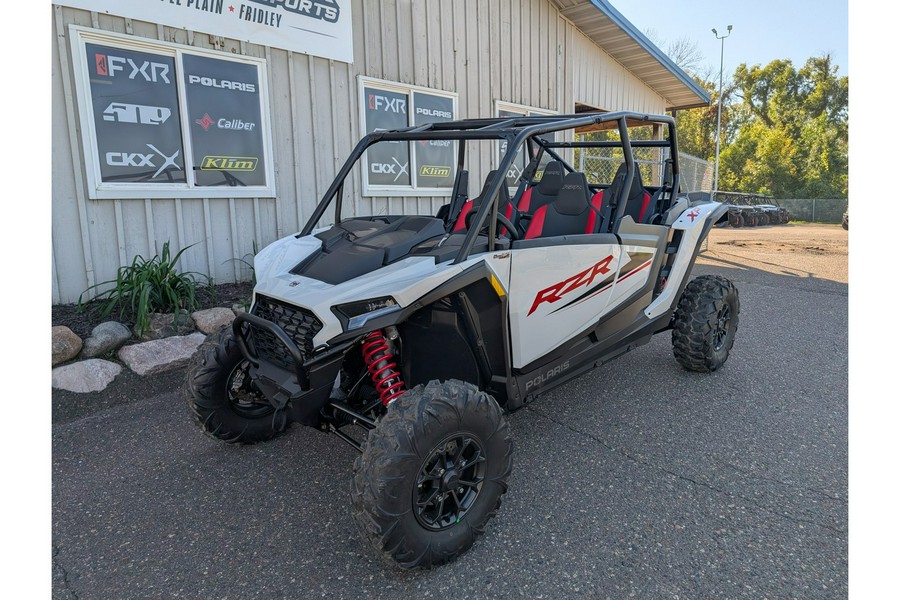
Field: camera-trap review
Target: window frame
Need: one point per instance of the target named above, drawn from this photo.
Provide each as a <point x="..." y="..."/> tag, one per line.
<point x="97" y="189"/>
<point x="411" y="190"/>
<point x="524" y="111"/>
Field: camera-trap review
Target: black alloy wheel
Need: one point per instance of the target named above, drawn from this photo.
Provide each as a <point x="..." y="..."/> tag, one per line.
<point x="449" y="482"/>
<point x="721" y="328"/>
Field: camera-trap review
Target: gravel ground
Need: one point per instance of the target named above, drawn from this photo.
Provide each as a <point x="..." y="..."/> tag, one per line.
<point x="637" y="480"/>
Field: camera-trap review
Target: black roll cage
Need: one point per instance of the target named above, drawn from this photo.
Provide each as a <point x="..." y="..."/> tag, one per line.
<point x="517" y="131"/>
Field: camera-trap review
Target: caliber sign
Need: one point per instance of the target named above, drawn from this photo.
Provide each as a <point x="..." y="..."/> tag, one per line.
<point x="223" y="102"/>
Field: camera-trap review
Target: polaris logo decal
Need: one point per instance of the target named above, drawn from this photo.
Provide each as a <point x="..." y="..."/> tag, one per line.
<point x="222" y="84"/>
<point x="433" y="112"/>
<point x="584" y="278"/>
<point x="545" y="377"/>
<point x="694" y="214"/>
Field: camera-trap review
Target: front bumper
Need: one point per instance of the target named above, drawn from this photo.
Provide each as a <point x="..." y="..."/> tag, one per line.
<point x="301" y="384"/>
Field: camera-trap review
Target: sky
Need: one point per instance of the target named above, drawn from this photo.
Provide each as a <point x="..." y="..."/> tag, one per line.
<point x="763" y="30"/>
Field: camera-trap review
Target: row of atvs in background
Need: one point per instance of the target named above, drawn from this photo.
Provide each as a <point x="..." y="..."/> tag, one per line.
<point x="755" y="215"/>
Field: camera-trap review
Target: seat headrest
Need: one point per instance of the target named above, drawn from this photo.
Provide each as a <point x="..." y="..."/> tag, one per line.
<point x="615" y="188"/>
<point x="504" y="192"/>
<point x="573" y="195"/>
<point x="552" y="178"/>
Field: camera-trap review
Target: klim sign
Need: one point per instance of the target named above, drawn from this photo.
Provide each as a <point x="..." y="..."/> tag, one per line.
<point x="318" y="27"/>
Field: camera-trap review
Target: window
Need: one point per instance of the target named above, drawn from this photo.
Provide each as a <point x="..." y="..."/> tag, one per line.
<point x="506" y="109"/>
<point x="161" y="120"/>
<point x="403" y="168"/>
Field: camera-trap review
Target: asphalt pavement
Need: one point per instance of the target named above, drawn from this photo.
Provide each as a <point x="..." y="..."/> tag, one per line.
<point x="637" y="480"/>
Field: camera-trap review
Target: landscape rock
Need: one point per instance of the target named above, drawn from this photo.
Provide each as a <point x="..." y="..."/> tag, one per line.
<point x="239" y="307"/>
<point x="105" y="337"/>
<point x="85" y="376"/>
<point x="162" y="325"/>
<point x="213" y="319"/>
<point x="157" y="356"/>
<point x="65" y="344"/>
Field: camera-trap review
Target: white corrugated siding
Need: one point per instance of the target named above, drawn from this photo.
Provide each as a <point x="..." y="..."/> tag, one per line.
<point x="521" y="52"/>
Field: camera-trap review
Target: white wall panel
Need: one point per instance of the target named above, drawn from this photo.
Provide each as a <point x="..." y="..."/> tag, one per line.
<point x="515" y="51"/>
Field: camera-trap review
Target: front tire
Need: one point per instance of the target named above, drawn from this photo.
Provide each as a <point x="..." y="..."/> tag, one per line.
<point x="222" y="397"/>
<point x="705" y="323"/>
<point x="432" y="473"/>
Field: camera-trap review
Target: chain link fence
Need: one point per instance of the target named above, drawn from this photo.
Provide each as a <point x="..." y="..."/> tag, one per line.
<point x="600" y="165"/>
<point x="816" y="210"/>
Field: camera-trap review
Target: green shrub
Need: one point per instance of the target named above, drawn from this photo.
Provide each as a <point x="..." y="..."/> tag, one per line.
<point x="149" y="286"/>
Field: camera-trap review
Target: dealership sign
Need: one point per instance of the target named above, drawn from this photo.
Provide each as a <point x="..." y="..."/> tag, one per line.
<point x="318" y="27"/>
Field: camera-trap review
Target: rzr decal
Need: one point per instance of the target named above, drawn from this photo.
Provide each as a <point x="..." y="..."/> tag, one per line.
<point x="558" y="290"/>
<point x="634" y="265"/>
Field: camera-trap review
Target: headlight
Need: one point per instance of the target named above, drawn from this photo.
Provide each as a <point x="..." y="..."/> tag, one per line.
<point x="359" y="313"/>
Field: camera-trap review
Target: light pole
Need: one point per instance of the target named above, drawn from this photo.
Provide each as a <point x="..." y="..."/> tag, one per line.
<point x="719" y="125"/>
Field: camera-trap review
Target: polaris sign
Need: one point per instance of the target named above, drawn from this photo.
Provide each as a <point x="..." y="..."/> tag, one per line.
<point x="317" y="27"/>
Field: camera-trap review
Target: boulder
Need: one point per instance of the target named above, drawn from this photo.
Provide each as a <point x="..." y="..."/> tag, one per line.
<point x="157" y="356"/>
<point x="163" y="325"/>
<point x="65" y="344"/>
<point x="213" y="319"/>
<point x="85" y="376"/>
<point x="105" y="337"/>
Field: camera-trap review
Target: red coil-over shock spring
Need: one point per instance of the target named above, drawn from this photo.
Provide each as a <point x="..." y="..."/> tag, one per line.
<point x="381" y="366"/>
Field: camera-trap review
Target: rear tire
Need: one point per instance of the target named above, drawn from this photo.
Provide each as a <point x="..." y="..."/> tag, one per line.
<point x="432" y="473"/>
<point x="705" y="323"/>
<point x="735" y="219"/>
<point x="222" y="398"/>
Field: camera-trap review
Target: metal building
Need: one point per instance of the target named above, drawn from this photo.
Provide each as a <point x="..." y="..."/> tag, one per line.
<point x="218" y="125"/>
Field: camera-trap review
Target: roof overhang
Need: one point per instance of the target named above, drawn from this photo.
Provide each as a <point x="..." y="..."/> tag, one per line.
<point x="616" y="35"/>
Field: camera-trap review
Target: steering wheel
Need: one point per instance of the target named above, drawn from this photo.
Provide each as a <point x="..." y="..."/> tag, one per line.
<point x="513" y="231"/>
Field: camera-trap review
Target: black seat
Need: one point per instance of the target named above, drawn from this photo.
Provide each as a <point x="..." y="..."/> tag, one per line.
<point x="546" y="190"/>
<point x="574" y="211"/>
<point x="505" y="207"/>
<point x="637" y="204"/>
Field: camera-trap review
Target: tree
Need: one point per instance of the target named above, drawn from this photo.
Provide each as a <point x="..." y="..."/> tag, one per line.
<point x="794" y="142"/>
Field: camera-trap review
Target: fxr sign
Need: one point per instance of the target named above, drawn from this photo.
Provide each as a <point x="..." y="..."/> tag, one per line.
<point x="152" y="72"/>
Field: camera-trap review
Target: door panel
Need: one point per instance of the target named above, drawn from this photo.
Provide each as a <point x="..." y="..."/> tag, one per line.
<point x="559" y="291"/>
<point x="555" y="292"/>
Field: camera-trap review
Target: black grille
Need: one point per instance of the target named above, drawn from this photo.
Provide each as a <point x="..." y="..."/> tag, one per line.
<point x="300" y="324"/>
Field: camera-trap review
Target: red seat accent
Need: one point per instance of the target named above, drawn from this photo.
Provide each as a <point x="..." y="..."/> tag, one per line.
<point x="525" y="201"/>
<point x="536" y="226"/>
<point x="596" y="203"/>
<point x="644" y="207"/>
<point x="461" y="220"/>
